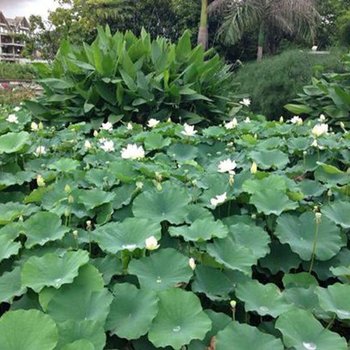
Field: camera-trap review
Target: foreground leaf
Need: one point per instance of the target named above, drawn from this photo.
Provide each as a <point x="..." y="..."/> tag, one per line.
<point x="302" y="331"/>
<point x="132" y="311"/>
<point x="52" y="270"/>
<point x="27" y="330"/>
<point x="238" y="336"/>
<point x="180" y="319"/>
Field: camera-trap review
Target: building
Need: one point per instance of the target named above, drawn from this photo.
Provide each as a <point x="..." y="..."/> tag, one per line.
<point x="11" y="37"/>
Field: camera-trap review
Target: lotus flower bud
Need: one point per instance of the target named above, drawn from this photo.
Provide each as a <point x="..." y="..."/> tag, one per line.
<point x="254" y="168"/>
<point x="40" y="181"/>
<point x="151" y="243"/>
<point x="67" y="189"/>
<point x="192" y="263"/>
<point x="318" y="217"/>
<point x="41" y="126"/>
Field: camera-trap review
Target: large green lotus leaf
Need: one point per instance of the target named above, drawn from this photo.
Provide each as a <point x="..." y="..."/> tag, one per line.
<point x="162" y="270"/>
<point x="65" y="165"/>
<point x="237" y="336"/>
<point x="214" y="283"/>
<point x="52" y="270"/>
<point x="303" y="298"/>
<point x="13" y="142"/>
<point x="108" y="266"/>
<point x="252" y="236"/>
<point x="127" y="235"/>
<point x="264" y="299"/>
<point x="301" y="331"/>
<point x="180" y="319"/>
<point x="73" y="304"/>
<point x="233" y="255"/>
<point x="335" y="298"/>
<point x="132" y="311"/>
<point x="301" y="279"/>
<point x="7" y="245"/>
<point x="200" y="230"/>
<point x="43" y="227"/>
<point x="94" y="198"/>
<point x="11" y="285"/>
<point x="27" y="330"/>
<point x="267" y="159"/>
<point x="299" y="233"/>
<point x="281" y="258"/>
<point x="168" y="204"/>
<point x="338" y="212"/>
<point x="11" y="211"/>
<point x="88" y="280"/>
<point x="270" y="201"/>
<point x="71" y="331"/>
<point x="276" y="182"/>
<point x="80" y="345"/>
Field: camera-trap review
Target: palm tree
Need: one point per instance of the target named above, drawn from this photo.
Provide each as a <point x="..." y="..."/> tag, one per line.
<point x="203" y="26"/>
<point x="294" y="17"/>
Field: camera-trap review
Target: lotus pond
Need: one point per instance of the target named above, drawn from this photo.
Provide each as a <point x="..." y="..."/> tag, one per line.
<point x="232" y="237"/>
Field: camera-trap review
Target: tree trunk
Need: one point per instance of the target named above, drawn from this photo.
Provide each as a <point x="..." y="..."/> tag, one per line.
<point x="261" y="42"/>
<point x="203" y="27"/>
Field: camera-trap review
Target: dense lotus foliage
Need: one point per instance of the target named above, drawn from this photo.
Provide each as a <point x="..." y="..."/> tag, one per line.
<point x="171" y="237"/>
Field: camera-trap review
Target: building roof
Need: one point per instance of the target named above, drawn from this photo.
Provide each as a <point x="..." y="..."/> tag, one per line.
<point x="14" y="22"/>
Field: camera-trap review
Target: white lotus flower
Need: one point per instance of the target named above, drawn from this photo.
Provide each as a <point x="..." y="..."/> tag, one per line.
<point x="34" y="126"/>
<point x="254" y="168"/>
<point x="132" y="151"/>
<point x="40" y="150"/>
<point x="314" y="48"/>
<point x="95" y="133"/>
<point x="152" y="123"/>
<point x="17" y="109"/>
<point x="87" y="144"/>
<point x="215" y="201"/>
<point x="40" y="181"/>
<point x="129" y="126"/>
<point x="189" y="130"/>
<point x="322" y="118"/>
<point x="227" y="166"/>
<point x="192" y="263"/>
<point x="232" y="124"/>
<point x="151" y="243"/>
<point x="245" y="102"/>
<point x="107" y="126"/>
<point x="281" y="119"/>
<point x="107" y="145"/>
<point x="247" y="120"/>
<point x="319" y="129"/>
<point x="296" y="120"/>
<point x="12" y="118"/>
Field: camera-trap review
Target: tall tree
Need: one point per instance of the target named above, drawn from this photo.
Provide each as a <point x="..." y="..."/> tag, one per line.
<point x="293" y="17"/>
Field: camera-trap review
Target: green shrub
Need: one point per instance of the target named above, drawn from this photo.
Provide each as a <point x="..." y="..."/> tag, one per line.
<point x="329" y="95"/>
<point x="276" y="81"/>
<point x="124" y="77"/>
<point x="16" y="71"/>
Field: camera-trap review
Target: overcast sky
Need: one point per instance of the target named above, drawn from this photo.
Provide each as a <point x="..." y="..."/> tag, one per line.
<point x="13" y="8"/>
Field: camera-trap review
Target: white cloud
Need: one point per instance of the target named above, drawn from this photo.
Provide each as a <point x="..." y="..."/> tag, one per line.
<point x="13" y="8"/>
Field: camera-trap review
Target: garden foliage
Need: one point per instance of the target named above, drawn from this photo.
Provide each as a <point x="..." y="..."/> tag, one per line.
<point x="329" y="95"/>
<point x="171" y="237"/>
<point x="277" y="80"/>
<point x="124" y="77"/>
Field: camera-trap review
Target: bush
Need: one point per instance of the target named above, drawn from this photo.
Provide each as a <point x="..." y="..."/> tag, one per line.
<point x="329" y="95"/>
<point x="16" y="71"/>
<point x="276" y="81"/>
<point x="153" y="239"/>
<point x="124" y="77"/>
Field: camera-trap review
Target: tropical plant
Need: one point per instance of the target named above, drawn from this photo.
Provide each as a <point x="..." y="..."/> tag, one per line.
<point x="328" y="95"/>
<point x="172" y="237"/>
<point x="296" y="17"/>
<point x="122" y="77"/>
